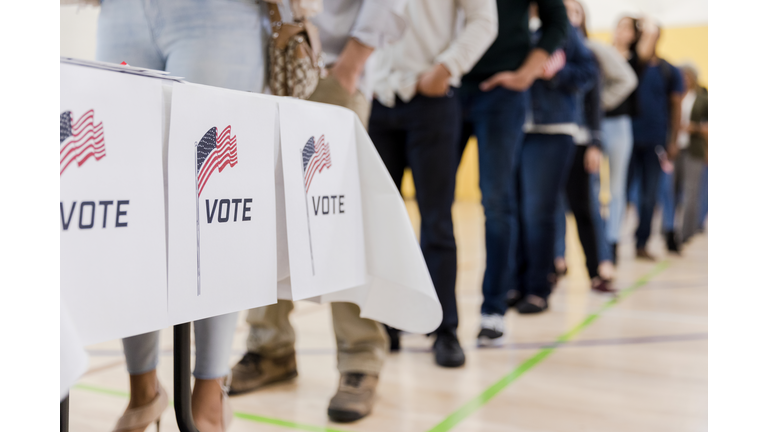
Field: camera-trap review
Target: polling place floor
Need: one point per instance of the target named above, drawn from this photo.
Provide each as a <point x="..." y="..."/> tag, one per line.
<point x="638" y="363"/>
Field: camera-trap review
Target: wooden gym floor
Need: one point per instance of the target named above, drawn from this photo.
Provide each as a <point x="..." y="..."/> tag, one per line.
<point x="639" y="364"/>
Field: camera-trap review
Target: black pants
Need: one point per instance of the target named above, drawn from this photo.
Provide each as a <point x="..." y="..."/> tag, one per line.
<point x="578" y="191"/>
<point x="423" y="134"/>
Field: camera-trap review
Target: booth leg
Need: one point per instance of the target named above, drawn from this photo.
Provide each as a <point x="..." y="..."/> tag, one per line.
<point x="64" y="415"/>
<point x="182" y="388"/>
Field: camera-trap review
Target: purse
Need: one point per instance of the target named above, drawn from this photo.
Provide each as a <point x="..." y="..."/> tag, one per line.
<point x="295" y="66"/>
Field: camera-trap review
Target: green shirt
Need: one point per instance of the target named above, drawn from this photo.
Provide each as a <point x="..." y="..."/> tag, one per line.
<point x="513" y="42"/>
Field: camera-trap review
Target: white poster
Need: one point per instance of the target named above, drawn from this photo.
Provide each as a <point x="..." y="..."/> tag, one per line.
<point x="322" y="198"/>
<point x="113" y="266"/>
<point x="221" y="202"/>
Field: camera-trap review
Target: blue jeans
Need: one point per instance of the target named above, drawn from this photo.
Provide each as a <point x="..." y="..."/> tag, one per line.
<point x="212" y="42"/>
<point x="545" y="162"/>
<point x="423" y="134"/>
<point x="496" y="118"/>
<point x="645" y="170"/>
<point x="617" y="146"/>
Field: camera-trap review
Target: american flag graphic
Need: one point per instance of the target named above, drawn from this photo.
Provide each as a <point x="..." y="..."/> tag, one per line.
<point x="80" y="140"/>
<point x="316" y="157"/>
<point x="554" y="64"/>
<point x="215" y="151"/>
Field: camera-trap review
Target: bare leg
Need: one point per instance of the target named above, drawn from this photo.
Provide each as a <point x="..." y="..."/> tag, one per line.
<point x="207" y="405"/>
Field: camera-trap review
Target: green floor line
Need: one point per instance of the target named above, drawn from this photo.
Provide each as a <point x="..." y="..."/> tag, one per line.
<point x="240" y="415"/>
<point x="470" y="407"/>
<point x="473" y="405"/>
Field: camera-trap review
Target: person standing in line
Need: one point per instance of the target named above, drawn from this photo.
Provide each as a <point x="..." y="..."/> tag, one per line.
<point x="693" y="142"/>
<point x="654" y="130"/>
<point x="494" y="102"/>
<point x="349" y="32"/>
<point x="636" y="48"/>
<point x="415" y="121"/>
<point x="211" y="42"/>
<point x="545" y="161"/>
<point x="617" y="80"/>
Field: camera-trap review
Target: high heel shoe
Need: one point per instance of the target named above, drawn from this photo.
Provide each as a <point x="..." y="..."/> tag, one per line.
<point x="143" y="416"/>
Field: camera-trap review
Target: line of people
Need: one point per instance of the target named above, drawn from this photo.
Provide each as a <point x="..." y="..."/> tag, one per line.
<point x="544" y="103"/>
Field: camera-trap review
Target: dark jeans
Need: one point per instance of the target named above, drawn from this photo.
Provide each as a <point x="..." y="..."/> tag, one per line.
<point x="423" y="134"/>
<point x="544" y="167"/>
<point x="645" y="169"/>
<point x="496" y="118"/>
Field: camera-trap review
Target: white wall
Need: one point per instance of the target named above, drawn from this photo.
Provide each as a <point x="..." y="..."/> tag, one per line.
<point x="604" y="14"/>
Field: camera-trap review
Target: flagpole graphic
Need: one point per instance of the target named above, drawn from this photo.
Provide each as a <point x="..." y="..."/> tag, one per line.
<point x="314" y="157"/>
<point x="197" y="215"/>
<point x="214" y="152"/>
<point x="309" y="228"/>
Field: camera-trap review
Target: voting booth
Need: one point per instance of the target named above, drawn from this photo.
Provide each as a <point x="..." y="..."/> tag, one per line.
<point x="181" y="201"/>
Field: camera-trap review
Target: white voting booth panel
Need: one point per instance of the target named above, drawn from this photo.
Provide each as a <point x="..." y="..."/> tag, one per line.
<point x="221" y="202"/>
<point x="113" y="270"/>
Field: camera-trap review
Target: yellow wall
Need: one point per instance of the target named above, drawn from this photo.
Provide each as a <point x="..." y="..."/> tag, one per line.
<point x="676" y="45"/>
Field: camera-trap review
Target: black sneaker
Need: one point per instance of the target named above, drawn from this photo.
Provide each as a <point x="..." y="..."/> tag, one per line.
<point x="394" y="338"/>
<point x="532" y="304"/>
<point x="672" y="244"/>
<point x="491" y="330"/>
<point x="448" y="352"/>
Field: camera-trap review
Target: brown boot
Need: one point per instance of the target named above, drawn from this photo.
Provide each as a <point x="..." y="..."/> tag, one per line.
<point x="354" y="399"/>
<point x="254" y="371"/>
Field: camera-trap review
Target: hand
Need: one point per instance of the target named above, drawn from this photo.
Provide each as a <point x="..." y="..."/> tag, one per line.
<point x="434" y="82"/>
<point x="346" y="77"/>
<point x="350" y="64"/>
<point x="592" y="159"/>
<point x="517" y="81"/>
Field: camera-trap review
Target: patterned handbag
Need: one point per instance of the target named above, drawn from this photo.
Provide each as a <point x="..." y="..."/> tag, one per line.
<point x="294" y="56"/>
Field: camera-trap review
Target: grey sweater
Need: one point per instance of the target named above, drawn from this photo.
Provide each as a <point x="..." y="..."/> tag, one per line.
<point x="617" y="77"/>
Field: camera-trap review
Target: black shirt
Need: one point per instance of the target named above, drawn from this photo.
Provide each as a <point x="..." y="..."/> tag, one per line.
<point x="630" y="106"/>
<point x="513" y="42"/>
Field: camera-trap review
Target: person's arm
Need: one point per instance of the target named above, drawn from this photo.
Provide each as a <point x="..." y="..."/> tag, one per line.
<point x="646" y="46"/>
<point x="478" y="34"/>
<point x="378" y="23"/>
<point x="580" y="72"/>
<point x="675" y="101"/>
<point x="554" y="27"/>
<point x="619" y="78"/>
<point x="675" y="108"/>
<point x="350" y="64"/>
<point x="593" y="116"/>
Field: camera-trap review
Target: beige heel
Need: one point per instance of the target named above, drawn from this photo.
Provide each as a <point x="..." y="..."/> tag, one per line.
<point x="143" y="416"/>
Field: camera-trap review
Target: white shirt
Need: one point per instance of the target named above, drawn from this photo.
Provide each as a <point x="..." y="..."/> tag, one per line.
<point x="684" y="138"/>
<point x="455" y="33"/>
<point x="374" y="23"/>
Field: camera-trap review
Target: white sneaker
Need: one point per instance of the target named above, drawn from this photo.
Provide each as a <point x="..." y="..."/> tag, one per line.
<point x="491" y="330"/>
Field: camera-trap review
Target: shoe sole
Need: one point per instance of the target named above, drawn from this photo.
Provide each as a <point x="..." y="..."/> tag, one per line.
<point x="291" y="375"/>
<point x="341" y="416"/>
<point x="484" y="342"/>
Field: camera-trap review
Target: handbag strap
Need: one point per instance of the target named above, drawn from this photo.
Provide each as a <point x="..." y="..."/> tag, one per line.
<point x="282" y="32"/>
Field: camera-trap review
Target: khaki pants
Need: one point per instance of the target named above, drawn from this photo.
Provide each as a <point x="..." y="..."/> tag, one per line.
<point x="361" y="343"/>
